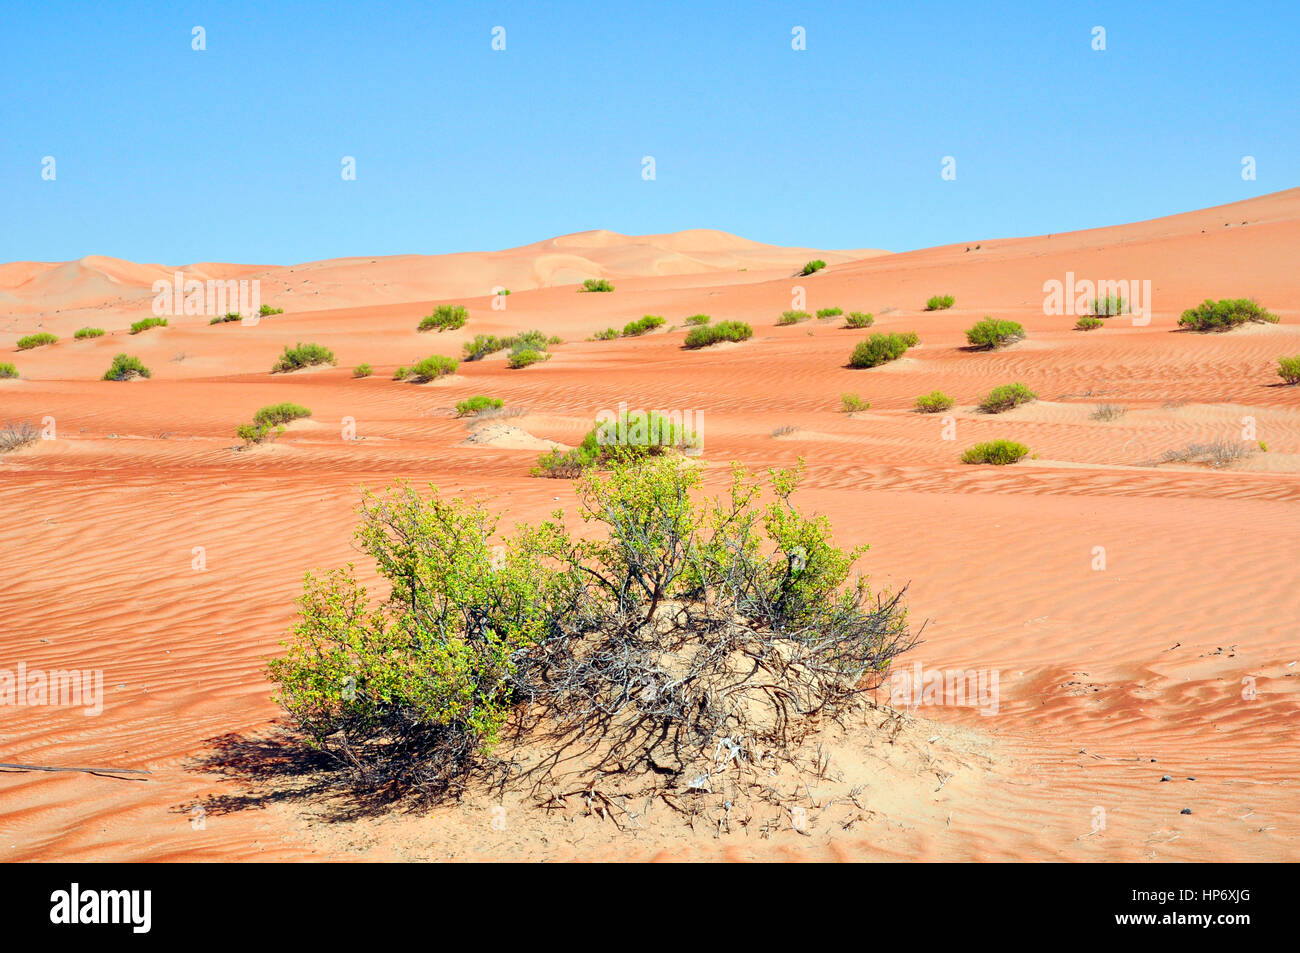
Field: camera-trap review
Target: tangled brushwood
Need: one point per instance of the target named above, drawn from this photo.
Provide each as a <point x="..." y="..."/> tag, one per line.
<point x="689" y="637"/>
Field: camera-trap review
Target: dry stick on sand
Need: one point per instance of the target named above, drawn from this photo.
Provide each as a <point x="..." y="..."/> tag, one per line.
<point x="106" y="772"/>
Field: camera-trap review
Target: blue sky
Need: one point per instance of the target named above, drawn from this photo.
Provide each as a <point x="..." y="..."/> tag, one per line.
<point x="166" y="154"/>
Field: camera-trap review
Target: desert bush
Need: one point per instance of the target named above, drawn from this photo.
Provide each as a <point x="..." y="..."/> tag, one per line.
<point x="479" y="402"/>
<point x="362" y="370"/>
<point x="1216" y="453"/>
<point x="1225" y="314"/>
<point x="526" y="358"/>
<point x="1005" y="397"/>
<point x="596" y="284"/>
<point x="257" y="433"/>
<point x="226" y="318"/>
<point x="910" y="338"/>
<point x="445" y="317"/>
<point x="1108" y="412"/>
<point x="36" y="340"/>
<point x="829" y="312"/>
<point x="124" y="368"/>
<point x="432" y="368"/>
<point x="697" y="319"/>
<point x="1088" y="324"/>
<point x="711" y="334"/>
<point x="482" y="346"/>
<point x="15" y="436"/>
<point x="89" y="333"/>
<point x="1108" y="306"/>
<point x="303" y="355"/>
<point x="682" y="624"/>
<point x="400" y="374"/>
<point x="642" y="434"/>
<point x="935" y="402"/>
<point x="144" y="324"/>
<point x="997" y="452"/>
<point x="608" y="334"/>
<point x="266" y="311"/>
<point x="7" y="370"/>
<point x="813" y="266"/>
<point x="275" y="414"/>
<point x="784" y="431"/>
<point x="792" y="317"/>
<point x="993" y="333"/>
<point x="878" y="349"/>
<point x="1288" y="368"/>
<point x="642" y="326"/>
<point x="852" y="403"/>
<point x="859" y="319"/>
<point x="940" y="303"/>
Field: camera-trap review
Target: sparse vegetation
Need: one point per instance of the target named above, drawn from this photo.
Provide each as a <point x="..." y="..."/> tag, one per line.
<point x="276" y="414"/>
<point x="15" y="436"/>
<point x="1217" y="453"/>
<point x="432" y="368"/>
<point x="526" y="358"/>
<point x="400" y="374"/>
<point x="36" y="340"/>
<point x="829" y="312"/>
<point x="125" y="367"/>
<point x="784" y="431"/>
<point x="483" y="345"/>
<point x="7" y="370"/>
<point x="362" y="370"/>
<point x="642" y="326"/>
<point x="1108" y="306"/>
<point x="303" y="355"/>
<point x="478" y="403"/>
<point x="711" y="334"/>
<point x="266" y="311"/>
<point x="935" y="402"/>
<point x="813" y="266"/>
<point x="1108" y="412"/>
<point x="1288" y="368"/>
<point x="878" y="349"/>
<point x="257" y="433"/>
<point x="144" y="324"/>
<point x="910" y="338"/>
<point x="608" y="334"/>
<point x="445" y="317"/>
<point x="940" y="303"/>
<point x="859" y="319"/>
<point x="1225" y="314"/>
<point x="640" y="434"/>
<point x="697" y="319"/>
<point x="226" y="318"/>
<point x="997" y="452"/>
<point x="83" y="333"/>
<point x="994" y="333"/>
<point x="852" y="403"/>
<point x="596" y="284"/>
<point x="1088" y="324"/>
<point x="1005" y="397"/>
<point x="529" y="347"/>
<point x="792" y="317"/>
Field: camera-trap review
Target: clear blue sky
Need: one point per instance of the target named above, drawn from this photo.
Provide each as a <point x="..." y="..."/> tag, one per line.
<point x="164" y="154"/>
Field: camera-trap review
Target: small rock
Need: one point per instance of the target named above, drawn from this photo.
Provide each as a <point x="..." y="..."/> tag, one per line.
<point x="1166" y="778"/>
<point x="1186" y="810"/>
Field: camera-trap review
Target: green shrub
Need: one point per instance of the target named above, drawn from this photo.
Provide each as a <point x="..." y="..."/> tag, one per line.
<point x="878" y="349"/>
<point x="993" y="333"/>
<point x="89" y="333"/>
<point x="852" y="403"/>
<point x="276" y="414"/>
<point x="792" y="317"/>
<point x="472" y="405"/>
<point x="125" y="367"/>
<point x="1108" y="306"/>
<point x="533" y="340"/>
<point x="596" y="284"/>
<point x="303" y="355"/>
<point x="146" y="323"/>
<point x="935" y="402"/>
<point x="997" y="452"/>
<point x="482" y="346"/>
<point x="859" y="319"/>
<point x="1288" y="368"/>
<point x="940" y="303"/>
<point x="526" y="357"/>
<point x="256" y="433"/>
<point x="400" y="374"/>
<point x="1088" y="324"/>
<point x="642" y="326"/>
<point x="910" y="338"/>
<point x="829" y="312"/>
<point x="36" y="340"/>
<point x="813" y="266"/>
<point x="266" y="311"/>
<point x="1225" y="314"/>
<point x="362" y="370"/>
<point x="8" y="370"/>
<point x="1005" y="397"/>
<point x="226" y="318"/>
<point x="640" y="434"/>
<point x="709" y="334"/>
<point x="432" y="368"/>
<point x="445" y="317"/>
<point x="608" y="334"/>
<point x="695" y="320"/>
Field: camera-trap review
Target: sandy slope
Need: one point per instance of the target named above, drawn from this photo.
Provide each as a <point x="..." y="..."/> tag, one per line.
<point x="1109" y="679"/>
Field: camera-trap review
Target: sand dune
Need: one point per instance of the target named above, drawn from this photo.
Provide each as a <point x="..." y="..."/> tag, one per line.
<point x="1178" y="658"/>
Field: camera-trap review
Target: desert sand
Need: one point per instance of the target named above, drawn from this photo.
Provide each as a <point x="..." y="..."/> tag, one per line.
<point x="1179" y="658"/>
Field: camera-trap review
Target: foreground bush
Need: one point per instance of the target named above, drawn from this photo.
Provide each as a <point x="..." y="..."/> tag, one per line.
<point x="36" y="340"/>
<point x="859" y="319"/>
<point x="8" y="370"/>
<point x="1288" y="368"/>
<point x="596" y="284"/>
<point x="1005" y="397"/>
<point x="675" y="626"/>
<point x="303" y="355"/>
<point x="879" y="349"/>
<point x="998" y="452"/>
<point x="1225" y="314"/>
<point x="472" y="405"/>
<point x="813" y="266"/>
<point x="935" y="402"/>
<point x="994" y="332"/>
<point x="146" y="323"/>
<point x="432" y="368"/>
<point x="124" y="368"/>
<point x="280" y="414"/>
<point x="642" y="326"/>
<point x="940" y="303"/>
<point x="717" y="333"/>
<point x="88" y="333"/>
<point x="445" y="317"/>
<point x="792" y="317"/>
